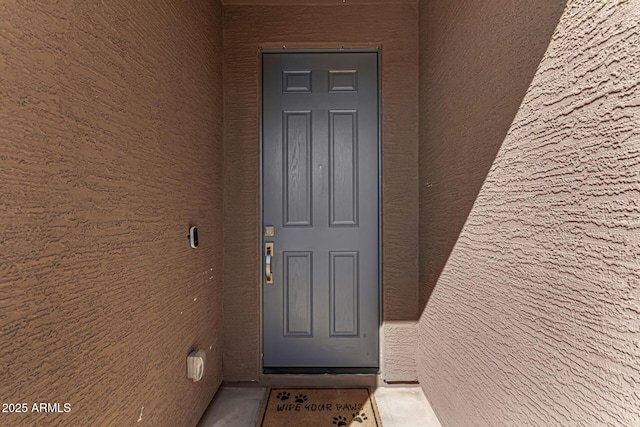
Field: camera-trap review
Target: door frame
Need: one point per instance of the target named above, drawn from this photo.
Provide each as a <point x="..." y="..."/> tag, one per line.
<point x="269" y="50"/>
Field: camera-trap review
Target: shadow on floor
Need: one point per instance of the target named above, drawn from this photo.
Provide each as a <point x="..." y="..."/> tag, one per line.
<point x="233" y="407"/>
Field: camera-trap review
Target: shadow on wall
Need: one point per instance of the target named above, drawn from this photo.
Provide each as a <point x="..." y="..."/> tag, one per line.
<point x="477" y="60"/>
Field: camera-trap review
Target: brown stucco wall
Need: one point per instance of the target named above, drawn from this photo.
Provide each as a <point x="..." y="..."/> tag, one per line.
<point x="111" y="146"/>
<point x="534" y="317"/>
<point x="395" y="28"/>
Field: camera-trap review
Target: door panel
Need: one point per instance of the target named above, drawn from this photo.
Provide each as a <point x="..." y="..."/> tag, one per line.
<point x="345" y="304"/>
<point x="320" y="195"/>
<point x="297" y="167"/>
<point x="298" y="285"/>
<point x="343" y="167"/>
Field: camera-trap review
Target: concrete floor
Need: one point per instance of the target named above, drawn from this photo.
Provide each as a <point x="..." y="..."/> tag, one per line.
<point x="398" y="407"/>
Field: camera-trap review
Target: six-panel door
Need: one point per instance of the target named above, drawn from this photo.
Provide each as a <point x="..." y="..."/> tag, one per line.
<point x="320" y="195"/>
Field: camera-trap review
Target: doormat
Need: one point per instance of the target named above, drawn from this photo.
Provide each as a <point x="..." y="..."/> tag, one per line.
<point x="331" y="407"/>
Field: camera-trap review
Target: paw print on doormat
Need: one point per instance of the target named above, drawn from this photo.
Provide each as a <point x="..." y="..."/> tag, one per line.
<point x="301" y="398"/>
<point x="340" y="420"/>
<point x="283" y="395"/>
<point x="360" y="418"/>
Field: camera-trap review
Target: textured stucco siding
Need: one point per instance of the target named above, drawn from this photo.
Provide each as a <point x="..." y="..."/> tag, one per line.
<point x="395" y="28"/>
<point x="535" y="318"/>
<point x="110" y="147"/>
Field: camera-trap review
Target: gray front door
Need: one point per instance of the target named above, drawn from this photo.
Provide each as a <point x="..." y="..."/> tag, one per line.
<point x="320" y="195"/>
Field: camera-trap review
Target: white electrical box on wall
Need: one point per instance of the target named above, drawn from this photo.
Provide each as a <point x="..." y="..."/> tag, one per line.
<point x="195" y="365"/>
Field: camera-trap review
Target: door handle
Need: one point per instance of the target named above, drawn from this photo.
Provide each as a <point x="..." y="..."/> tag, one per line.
<point x="269" y="252"/>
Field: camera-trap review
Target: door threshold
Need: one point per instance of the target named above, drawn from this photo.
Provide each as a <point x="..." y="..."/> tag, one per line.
<point x="321" y="380"/>
<point x="320" y="371"/>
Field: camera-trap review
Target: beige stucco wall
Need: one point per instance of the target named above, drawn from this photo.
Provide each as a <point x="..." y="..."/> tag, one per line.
<point x="110" y="147"/>
<point x="532" y="318"/>
<point x="395" y="28"/>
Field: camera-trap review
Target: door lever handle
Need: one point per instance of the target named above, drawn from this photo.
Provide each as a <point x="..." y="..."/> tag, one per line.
<point x="269" y="252"/>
